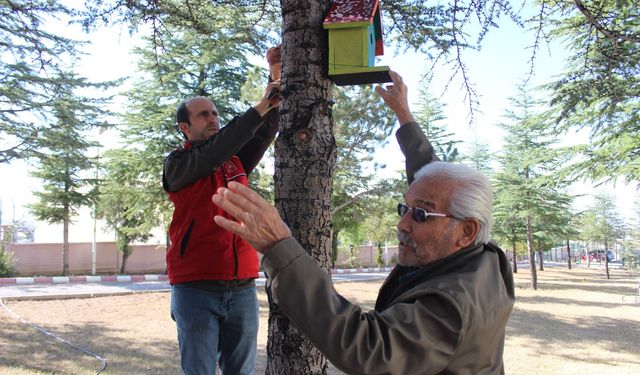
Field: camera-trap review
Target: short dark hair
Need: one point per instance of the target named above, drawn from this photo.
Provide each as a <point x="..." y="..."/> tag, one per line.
<point x="182" y="115"/>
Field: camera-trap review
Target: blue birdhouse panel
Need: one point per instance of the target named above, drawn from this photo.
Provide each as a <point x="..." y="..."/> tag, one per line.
<point x="372" y="46"/>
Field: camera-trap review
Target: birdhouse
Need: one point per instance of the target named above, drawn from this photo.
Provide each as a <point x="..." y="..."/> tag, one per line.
<point x="355" y="39"/>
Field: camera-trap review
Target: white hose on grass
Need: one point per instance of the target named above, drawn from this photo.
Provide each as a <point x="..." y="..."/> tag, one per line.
<point x="58" y="338"/>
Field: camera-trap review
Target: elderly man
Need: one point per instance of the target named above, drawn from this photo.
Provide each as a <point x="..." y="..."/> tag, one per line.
<point x="443" y="309"/>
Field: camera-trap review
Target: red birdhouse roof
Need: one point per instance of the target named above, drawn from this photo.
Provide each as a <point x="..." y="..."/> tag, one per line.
<point x="344" y="11"/>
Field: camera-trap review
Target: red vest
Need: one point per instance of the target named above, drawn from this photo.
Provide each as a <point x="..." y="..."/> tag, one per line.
<point x="199" y="249"/>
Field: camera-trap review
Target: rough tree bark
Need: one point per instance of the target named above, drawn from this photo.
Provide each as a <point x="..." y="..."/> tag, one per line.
<point x="305" y="155"/>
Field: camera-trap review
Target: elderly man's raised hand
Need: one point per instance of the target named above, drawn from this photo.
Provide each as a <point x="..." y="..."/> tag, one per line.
<point x="258" y="222"/>
<point x="396" y="97"/>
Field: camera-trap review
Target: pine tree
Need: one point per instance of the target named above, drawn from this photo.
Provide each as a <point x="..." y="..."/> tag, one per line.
<point x="523" y="193"/>
<point x="600" y="87"/>
<point x="30" y="66"/>
<point x="62" y="161"/>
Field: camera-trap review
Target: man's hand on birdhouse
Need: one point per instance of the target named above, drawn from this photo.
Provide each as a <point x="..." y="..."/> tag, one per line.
<point x="396" y="97"/>
<point x="274" y="58"/>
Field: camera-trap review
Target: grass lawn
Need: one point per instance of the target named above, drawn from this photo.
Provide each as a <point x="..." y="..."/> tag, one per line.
<point x="577" y="322"/>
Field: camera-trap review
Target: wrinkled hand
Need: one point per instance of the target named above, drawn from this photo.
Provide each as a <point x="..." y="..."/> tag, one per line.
<point x="396" y="97"/>
<point x="274" y="58"/>
<point x="259" y="222"/>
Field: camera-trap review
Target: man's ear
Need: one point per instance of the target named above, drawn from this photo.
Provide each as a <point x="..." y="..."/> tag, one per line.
<point x="469" y="233"/>
<point x="183" y="126"/>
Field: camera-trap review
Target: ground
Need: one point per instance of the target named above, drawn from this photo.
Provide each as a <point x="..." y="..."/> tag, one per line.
<point x="577" y="322"/>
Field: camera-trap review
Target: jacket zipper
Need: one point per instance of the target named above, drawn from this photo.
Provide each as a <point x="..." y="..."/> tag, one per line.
<point x="235" y="258"/>
<point x="233" y="239"/>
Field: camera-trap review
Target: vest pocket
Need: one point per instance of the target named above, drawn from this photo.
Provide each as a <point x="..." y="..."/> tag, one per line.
<point x="185" y="239"/>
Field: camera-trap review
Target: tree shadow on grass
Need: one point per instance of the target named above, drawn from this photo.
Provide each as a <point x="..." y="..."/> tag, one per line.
<point x="617" y="335"/>
<point x="616" y="285"/>
<point x="543" y="300"/>
<point x="27" y="348"/>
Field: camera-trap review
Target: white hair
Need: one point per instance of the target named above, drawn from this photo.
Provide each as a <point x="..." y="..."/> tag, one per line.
<point x="472" y="197"/>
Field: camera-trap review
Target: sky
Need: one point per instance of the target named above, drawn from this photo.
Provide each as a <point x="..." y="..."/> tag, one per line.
<point x="495" y="71"/>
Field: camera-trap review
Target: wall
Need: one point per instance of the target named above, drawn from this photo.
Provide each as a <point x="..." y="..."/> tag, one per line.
<point x="366" y="256"/>
<point x="46" y="259"/>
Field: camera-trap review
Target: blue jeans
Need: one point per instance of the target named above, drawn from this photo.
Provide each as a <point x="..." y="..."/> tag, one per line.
<point x="216" y="326"/>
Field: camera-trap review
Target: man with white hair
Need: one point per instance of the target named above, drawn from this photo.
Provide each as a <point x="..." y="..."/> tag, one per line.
<point x="444" y="307"/>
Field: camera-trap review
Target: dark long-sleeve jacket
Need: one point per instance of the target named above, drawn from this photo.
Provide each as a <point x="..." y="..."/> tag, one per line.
<point x="448" y="317"/>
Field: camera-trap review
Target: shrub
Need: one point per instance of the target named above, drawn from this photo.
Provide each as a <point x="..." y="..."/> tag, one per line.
<point x="394" y="259"/>
<point x="379" y="257"/>
<point x="6" y="262"/>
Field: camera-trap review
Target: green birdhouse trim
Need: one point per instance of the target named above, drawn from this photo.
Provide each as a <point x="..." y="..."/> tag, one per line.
<point x="355" y="39"/>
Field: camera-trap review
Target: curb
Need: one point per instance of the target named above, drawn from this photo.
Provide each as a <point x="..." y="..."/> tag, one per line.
<point x="360" y="270"/>
<point x="81" y="279"/>
<point x="43" y="280"/>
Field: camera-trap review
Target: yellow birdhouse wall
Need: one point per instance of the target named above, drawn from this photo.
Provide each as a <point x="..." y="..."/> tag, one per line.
<point x="348" y="49"/>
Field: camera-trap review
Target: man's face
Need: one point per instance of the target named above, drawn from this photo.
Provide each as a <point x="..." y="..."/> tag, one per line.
<point x="203" y="120"/>
<point x="437" y="237"/>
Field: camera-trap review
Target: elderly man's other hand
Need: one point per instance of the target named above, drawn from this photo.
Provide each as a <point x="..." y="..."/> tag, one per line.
<point x="274" y="58"/>
<point x="396" y="97"/>
<point x="259" y="223"/>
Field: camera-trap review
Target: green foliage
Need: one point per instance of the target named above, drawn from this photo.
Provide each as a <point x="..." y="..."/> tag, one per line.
<point x="631" y="260"/>
<point x="394" y="260"/>
<point x="31" y="60"/>
<point x="6" y="258"/>
<point x="261" y="180"/>
<point x="6" y="262"/>
<point x="600" y="222"/>
<point x="379" y="252"/>
<point x="188" y="65"/>
<point x="600" y="89"/>
<point x="363" y="123"/>
<point x="479" y="158"/>
<point x="379" y="225"/>
<point x="62" y="162"/>
<point x="429" y="114"/>
<point x="125" y="202"/>
<point x="529" y="205"/>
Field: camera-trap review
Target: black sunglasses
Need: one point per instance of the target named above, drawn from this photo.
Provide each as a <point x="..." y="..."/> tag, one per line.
<point x="419" y="215"/>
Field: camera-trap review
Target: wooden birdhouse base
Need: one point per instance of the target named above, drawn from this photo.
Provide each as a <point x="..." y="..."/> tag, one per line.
<point x="378" y="74"/>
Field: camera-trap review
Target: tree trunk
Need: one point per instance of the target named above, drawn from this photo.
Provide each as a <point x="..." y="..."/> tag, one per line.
<point x="125" y="255"/>
<point x="586" y="254"/>
<point x="305" y="155"/>
<point x="568" y="255"/>
<point x="606" y="257"/>
<point x="515" y="258"/>
<point x="541" y="268"/>
<point x="65" y="245"/>
<point x="532" y="256"/>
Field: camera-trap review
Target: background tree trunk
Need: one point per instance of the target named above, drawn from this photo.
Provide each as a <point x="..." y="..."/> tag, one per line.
<point x="65" y="247"/>
<point x="305" y="154"/>
<point x="568" y="255"/>
<point x="606" y="257"/>
<point x="515" y="258"/>
<point x="541" y="265"/>
<point x="532" y="256"/>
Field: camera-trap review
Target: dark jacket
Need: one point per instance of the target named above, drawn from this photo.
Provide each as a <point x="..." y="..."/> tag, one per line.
<point x="448" y="317"/>
<point x="199" y="250"/>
